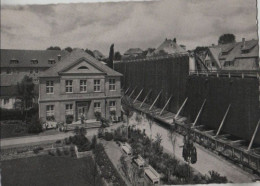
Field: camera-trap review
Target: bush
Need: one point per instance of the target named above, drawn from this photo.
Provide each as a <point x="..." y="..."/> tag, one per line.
<point x="216" y="178"/>
<point x="69" y="119"/>
<point x="50" y="152"/>
<point x="58" y="142"/>
<point x="35" y="126"/>
<point x="11" y="114"/>
<point x="37" y="150"/>
<point x="94" y="142"/>
<point x="108" y="136"/>
<point x="98" y="115"/>
<point x="58" y="151"/>
<point x="50" y="118"/>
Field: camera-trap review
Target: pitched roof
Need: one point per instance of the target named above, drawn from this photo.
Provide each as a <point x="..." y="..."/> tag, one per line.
<point x="133" y="51"/>
<point x="73" y="58"/>
<point x="215" y="54"/>
<point x="170" y="47"/>
<point x="25" y="56"/>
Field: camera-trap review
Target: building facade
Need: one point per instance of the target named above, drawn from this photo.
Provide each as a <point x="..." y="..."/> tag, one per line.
<point x="79" y="86"/>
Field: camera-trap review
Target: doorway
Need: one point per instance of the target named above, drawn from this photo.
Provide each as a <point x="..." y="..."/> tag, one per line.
<point x="82" y="109"/>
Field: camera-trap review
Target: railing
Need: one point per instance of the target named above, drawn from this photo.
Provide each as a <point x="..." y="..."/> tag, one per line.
<point x="227" y="73"/>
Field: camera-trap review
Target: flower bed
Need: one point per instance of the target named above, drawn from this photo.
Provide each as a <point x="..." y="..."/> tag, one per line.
<point x="107" y="169"/>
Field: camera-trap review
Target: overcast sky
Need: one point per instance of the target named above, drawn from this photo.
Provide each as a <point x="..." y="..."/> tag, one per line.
<point x="126" y="24"/>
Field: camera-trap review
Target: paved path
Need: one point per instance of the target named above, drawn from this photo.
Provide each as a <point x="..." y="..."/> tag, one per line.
<point x="207" y="160"/>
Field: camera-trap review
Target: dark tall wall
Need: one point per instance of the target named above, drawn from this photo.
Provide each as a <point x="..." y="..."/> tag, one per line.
<point x="242" y="94"/>
<point x="168" y="74"/>
<point x="171" y="75"/>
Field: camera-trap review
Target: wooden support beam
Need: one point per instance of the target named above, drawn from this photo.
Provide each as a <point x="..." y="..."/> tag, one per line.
<point x="224" y="135"/>
<point x="209" y="131"/>
<point x="179" y="111"/>
<point x="132" y="92"/>
<point x="127" y="90"/>
<point x="199" y="113"/>
<point x="155" y="100"/>
<point x="253" y="137"/>
<point x="145" y="98"/>
<point x="199" y="126"/>
<point x="166" y="105"/>
<point x="237" y="141"/>
<point x="138" y="95"/>
<point x="223" y="120"/>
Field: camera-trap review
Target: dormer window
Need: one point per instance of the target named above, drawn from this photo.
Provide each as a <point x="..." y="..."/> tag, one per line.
<point x="34" y="61"/>
<point x="51" y="61"/>
<point x="14" y="61"/>
<point x="82" y="68"/>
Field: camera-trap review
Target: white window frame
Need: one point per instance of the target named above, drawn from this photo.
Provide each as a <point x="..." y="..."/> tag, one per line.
<point x="49" y="110"/>
<point x="97" y="106"/>
<point x="69" y="109"/>
<point x="69" y="86"/>
<point x="97" y="87"/>
<point x="112" y="106"/>
<point x="83" y="85"/>
<point x="112" y="84"/>
<point x="49" y="87"/>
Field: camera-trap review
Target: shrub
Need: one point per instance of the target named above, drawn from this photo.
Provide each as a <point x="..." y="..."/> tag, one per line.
<point x="11" y="114"/>
<point x="50" y="118"/>
<point x="37" y="150"/>
<point x="22" y="150"/>
<point x="94" y="142"/>
<point x="216" y="178"/>
<point x="58" y="142"/>
<point x="58" y="151"/>
<point x="69" y="119"/>
<point x="67" y="141"/>
<point x="97" y="115"/>
<point x="35" y="126"/>
<point x="108" y="136"/>
<point x="50" y="152"/>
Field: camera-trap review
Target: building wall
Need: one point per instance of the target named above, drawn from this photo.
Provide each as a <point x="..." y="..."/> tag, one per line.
<point x="60" y="98"/>
<point x="9" y="105"/>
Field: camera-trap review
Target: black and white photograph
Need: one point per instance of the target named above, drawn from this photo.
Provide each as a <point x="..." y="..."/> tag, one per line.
<point x="129" y="92"/>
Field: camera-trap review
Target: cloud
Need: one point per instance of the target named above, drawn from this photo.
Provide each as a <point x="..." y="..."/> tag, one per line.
<point x="126" y="24"/>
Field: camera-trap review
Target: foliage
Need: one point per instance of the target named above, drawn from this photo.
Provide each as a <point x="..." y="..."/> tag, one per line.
<point x="69" y="49"/>
<point x="104" y="122"/>
<point x="172" y="137"/>
<point x="108" y="136"/>
<point x="11" y="114"/>
<point x="149" y="50"/>
<point x="80" y="140"/>
<point x="35" y="126"/>
<point x="117" y="56"/>
<point x="37" y="150"/>
<point x="111" y="57"/>
<point x="53" y="48"/>
<point x="112" y="112"/>
<point x="107" y="169"/>
<point x="97" y="115"/>
<point x="80" y="131"/>
<point x="50" y="118"/>
<point x="89" y="52"/>
<point x="69" y="119"/>
<point x="227" y="38"/>
<point x="215" y="177"/>
<point x="94" y="142"/>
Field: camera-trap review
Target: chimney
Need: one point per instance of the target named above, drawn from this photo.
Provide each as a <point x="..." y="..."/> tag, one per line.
<point x="59" y="57"/>
<point x="243" y="42"/>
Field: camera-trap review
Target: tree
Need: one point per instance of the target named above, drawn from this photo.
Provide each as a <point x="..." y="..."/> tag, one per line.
<point x="111" y="57"/>
<point x="35" y="125"/>
<point x="150" y="121"/>
<point x="26" y="92"/>
<point x="172" y="138"/>
<point x="117" y="56"/>
<point x="89" y="52"/>
<point x="69" y="49"/>
<point x="227" y="38"/>
<point x="53" y="48"/>
<point x="127" y="109"/>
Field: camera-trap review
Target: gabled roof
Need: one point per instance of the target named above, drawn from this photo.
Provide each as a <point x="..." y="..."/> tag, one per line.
<point x="170" y="47"/>
<point x="132" y="51"/>
<point x="24" y="57"/>
<point x="215" y="54"/>
<point x="74" y="57"/>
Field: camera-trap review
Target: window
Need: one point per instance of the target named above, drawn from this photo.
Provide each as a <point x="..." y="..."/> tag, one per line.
<point x="49" y="87"/>
<point x="8" y="71"/>
<point x="6" y="101"/>
<point x="69" y="109"/>
<point x="82" y="68"/>
<point x="112" y="84"/>
<point x="96" y="85"/>
<point x="51" y="61"/>
<point x="69" y="88"/>
<point x="97" y="106"/>
<point x="34" y="61"/>
<point x="50" y="110"/>
<point x="112" y="105"/>
<point x="14" y="61"/>
<point x="83" y="85"/>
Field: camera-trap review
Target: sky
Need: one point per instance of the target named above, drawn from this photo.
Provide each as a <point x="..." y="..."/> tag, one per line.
<point x="28" y="24"/>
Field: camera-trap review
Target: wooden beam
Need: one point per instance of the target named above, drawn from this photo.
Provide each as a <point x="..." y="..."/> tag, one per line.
<point x="237" y="141"/>
<point x="199" y="126"/>
<point x="165" y="105"/>
<point x="132" y="92"/>
<point x="208" y="131"/>
<point x="179" y="111"/>
<point x="155" y="100"/>
<point x="223" y="120"/>
<point x="253" y="137"/>
<point x="127" y="90"/>
<point x="224" y="135"/>
<point x="145" y="98"/>
<point x="138" y="95"/>
<point x="199" y="113"/>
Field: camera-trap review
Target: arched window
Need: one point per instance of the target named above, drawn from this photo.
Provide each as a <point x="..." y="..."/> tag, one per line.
<point x="82" y="68"/>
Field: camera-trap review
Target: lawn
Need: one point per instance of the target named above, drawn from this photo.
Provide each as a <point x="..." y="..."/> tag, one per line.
<point x="49" y="170"/>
